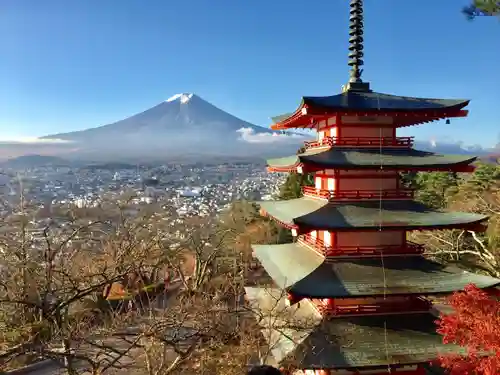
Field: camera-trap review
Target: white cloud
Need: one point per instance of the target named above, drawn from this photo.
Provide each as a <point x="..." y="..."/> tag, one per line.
<point x="28" y="140"/>
<point x="249" y="135"/>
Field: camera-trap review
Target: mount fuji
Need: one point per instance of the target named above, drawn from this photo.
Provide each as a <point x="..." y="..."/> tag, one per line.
<point x="183" y="125"/>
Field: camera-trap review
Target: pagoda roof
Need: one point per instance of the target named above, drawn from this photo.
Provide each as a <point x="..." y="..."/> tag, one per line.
<point x="365" y="215"/>
<point x="302" y="338"/>
<point x="303" y="272"/>
<point x="370" y="158"/>
<point x="373" y="102"/>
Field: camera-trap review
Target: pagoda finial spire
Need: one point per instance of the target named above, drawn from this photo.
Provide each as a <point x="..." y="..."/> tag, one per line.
<point x="356" y="47"/>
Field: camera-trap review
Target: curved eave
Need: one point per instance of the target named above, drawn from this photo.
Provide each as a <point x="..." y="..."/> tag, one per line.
<point x="391" y="159"/>
<point x="305" y="274"/>
<point x="366" y="159"/>
<point x="375" y="101"/>
<point x="286" y="164"/>
<point x="402" y="119"/>
<point x="306" y="214"/>
<point x="408" y="114"/>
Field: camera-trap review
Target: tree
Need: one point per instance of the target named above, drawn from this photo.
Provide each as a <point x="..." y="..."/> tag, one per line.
<point x="482" y="7"/>
<point x="435" y="188"/>
<point x="473" y="324"/>
<point x="54" y="277"/>
<point x="485" y="176"/>
<point x="65" y="286"/>
<point x="292" y="187"/>
<point x="478" y="251"/>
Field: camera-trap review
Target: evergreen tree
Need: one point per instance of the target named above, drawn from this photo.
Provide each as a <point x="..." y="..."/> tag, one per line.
<point x="485" y="176"/>
<point x="482" y="7"/>
<point x="292" y="187"/>
<point x="434" y="188"/>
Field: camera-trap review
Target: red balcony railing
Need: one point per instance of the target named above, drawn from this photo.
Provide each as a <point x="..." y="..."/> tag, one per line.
<point x="311" y="191"/>
<point x="403" y="142"/>
<point x="409" y="248"/>
<point x="387" y="306"/>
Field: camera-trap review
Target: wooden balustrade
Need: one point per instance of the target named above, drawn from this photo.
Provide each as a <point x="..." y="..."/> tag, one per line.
<point x="311" y="191"/>
<point x="387" y="306"/>
<point x="409" y="248"/>
<point x="402" y="142"/>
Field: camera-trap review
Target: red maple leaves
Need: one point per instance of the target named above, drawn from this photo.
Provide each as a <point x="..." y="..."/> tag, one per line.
<point x="475" y="325"/>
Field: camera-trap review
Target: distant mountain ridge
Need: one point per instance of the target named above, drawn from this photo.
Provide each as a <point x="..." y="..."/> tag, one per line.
<point x="34" y="160"/>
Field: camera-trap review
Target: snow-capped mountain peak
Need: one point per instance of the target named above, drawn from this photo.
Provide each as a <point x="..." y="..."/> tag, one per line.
<point x="183" y="98"/>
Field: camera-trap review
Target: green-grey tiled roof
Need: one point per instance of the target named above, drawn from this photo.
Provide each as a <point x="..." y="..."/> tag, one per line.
<point x="305" y="273"/>
<point x="279" y="118"/>
<point x="376" y="101"/>
<point x="326" y="215"/>
<point x="383" y="102"/>
<point x="300" y="337"/>
<point x="357" y="158"/>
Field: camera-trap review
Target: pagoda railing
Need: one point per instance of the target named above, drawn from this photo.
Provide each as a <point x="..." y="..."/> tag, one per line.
<point x="387" y="306"/>
<point x="403" y="142"/>
<point x="409" y="248"/>
<point x="311" y="191"/>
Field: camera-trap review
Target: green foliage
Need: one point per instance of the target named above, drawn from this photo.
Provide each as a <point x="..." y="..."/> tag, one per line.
<point x="409" y="180"/>
<point x="483" y="7"/>
<point x="292" y="187"/>
<point x="485" y="176"/>
<point x="435" y="188"/>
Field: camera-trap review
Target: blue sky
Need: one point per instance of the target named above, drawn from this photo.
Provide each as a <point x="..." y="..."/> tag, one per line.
<point x="69" y="65"/>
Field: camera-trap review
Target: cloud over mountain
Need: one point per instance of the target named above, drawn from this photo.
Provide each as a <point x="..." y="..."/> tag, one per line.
<point x="251" y="136"/>
<point x="35" y="141"/>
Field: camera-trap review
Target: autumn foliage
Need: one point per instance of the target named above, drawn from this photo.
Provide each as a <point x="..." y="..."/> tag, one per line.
<point x="475" y="325"/>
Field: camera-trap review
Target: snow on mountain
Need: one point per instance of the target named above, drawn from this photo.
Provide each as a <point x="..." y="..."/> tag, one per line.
<point x="183" y="98"/>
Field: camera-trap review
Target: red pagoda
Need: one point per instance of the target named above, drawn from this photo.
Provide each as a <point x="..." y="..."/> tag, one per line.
<point x="350" y="273"/>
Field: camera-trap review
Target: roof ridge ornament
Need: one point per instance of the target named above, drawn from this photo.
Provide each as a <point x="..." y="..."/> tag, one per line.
<point x="356" y="48"/>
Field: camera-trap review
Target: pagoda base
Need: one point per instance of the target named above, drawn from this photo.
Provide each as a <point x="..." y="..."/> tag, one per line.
<point x="407" y="370"/>
<point x="300" y="338"/>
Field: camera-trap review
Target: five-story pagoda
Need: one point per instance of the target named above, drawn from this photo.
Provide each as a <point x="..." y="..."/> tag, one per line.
<point x="359" y="288"/>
